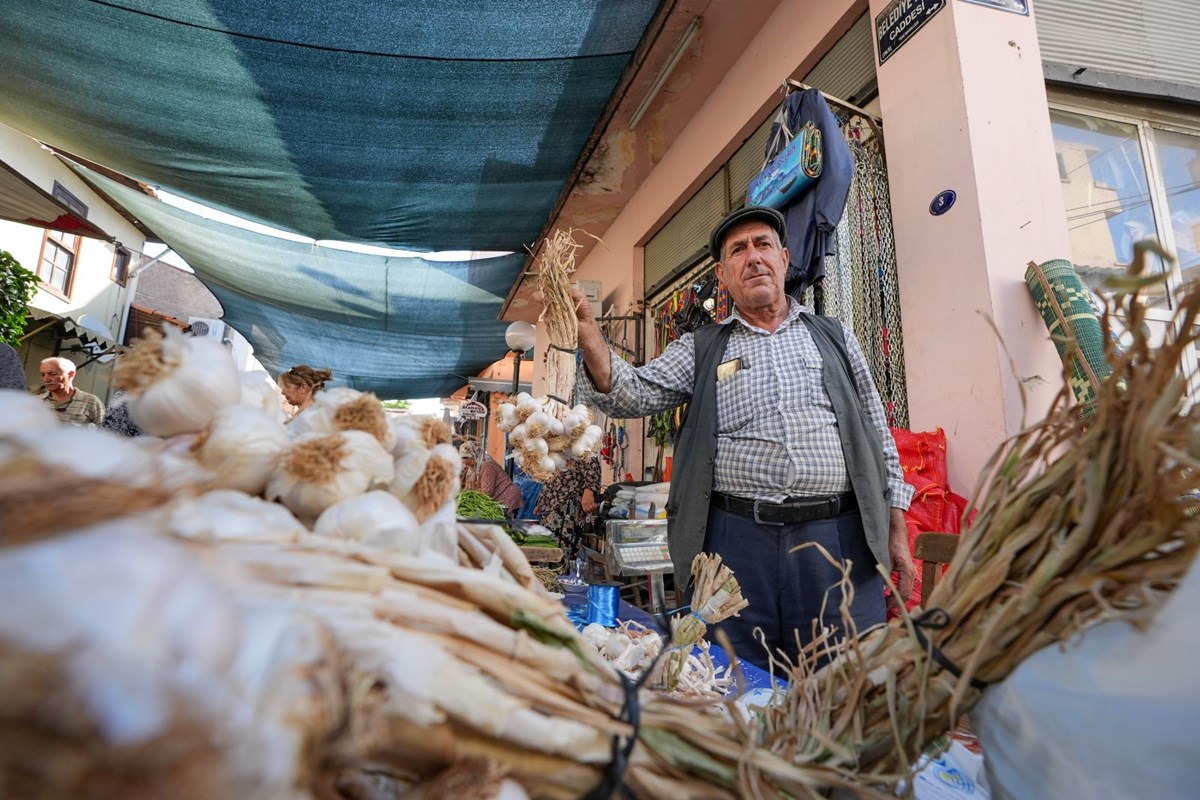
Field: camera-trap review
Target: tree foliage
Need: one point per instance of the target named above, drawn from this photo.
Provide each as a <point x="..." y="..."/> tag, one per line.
<point x="17" y="287"/>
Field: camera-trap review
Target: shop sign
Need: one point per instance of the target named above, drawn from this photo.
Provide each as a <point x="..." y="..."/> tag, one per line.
<point x="900" y="21"/>
<point x="1015" y="6"/>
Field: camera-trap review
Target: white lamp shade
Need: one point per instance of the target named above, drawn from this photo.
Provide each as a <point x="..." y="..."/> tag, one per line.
<point x="520" y="336"/>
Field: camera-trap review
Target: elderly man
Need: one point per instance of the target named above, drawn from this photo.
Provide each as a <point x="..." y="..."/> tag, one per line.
<point x="73" y="405"/>
<point x="785" y="444"/>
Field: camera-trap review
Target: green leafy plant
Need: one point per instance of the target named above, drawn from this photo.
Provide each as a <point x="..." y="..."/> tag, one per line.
<point x="401" y="405"/>
<point x="17" y="287"/>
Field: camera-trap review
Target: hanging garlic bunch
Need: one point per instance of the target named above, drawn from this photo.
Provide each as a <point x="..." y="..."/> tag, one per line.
<point x="241" y="448"/>
<point x="176" y="383"/>
<point x="545" y="435"/>
<point x="319" y="469"/>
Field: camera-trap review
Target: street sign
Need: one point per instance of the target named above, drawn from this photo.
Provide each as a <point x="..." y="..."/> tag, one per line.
<point x="897" y="23"/>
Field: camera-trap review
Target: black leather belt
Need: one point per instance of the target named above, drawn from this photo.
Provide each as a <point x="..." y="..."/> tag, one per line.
<point x="800" y="509"/>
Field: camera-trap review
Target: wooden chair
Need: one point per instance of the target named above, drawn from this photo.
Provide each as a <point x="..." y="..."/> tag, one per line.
<point x="933" y="550"/>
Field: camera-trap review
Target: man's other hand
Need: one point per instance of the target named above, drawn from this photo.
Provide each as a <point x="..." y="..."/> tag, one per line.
<point x="902" y="561"/>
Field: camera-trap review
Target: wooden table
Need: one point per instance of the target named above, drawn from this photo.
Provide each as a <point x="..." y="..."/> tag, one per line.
<point x="543" y="555"/>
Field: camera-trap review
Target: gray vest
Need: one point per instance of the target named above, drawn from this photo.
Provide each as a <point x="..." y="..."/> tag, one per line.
<point x="696" y="445"/>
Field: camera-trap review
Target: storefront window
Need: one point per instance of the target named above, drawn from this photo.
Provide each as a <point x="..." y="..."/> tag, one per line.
<point x="1130" y="174"/>
<point x="1106" y="192"/>
<point x="1178" y="157"/>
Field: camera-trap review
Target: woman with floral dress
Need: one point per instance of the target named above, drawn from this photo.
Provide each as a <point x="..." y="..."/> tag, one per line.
<point x="570" y="499"/>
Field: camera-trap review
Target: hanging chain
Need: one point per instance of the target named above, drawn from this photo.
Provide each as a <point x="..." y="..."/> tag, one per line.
<point x="861" y="284"/>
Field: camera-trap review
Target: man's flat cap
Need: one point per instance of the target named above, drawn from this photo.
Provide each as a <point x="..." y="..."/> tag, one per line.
<point x="747" y="214"/>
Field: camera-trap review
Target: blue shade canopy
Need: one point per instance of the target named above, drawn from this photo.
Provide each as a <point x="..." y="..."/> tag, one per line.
<point x="398" y="326"/>
<point x="420" y="124"/>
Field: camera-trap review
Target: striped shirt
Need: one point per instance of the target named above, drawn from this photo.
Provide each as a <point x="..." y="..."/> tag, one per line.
<point x="777" y="434"/>
<point x="83" y="408"/>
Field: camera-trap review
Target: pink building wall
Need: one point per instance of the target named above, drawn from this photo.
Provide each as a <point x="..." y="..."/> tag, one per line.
<point x="964" y="108"/>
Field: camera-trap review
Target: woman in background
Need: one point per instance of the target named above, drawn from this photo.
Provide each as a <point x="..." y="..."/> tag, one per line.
<point x="300" y="383"/>
<point x="481" y="473"/>
<point x="569" y="500"/>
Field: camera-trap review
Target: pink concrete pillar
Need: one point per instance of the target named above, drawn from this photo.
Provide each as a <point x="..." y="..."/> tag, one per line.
<point x="964" y="108"/>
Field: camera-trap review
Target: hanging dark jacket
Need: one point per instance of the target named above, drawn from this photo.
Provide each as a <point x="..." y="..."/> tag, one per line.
<point x="812" y="219"/>
<point x="696" y="446"/>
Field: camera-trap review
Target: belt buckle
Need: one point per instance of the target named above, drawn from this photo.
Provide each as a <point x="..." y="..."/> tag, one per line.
<point x="762" y="521"/>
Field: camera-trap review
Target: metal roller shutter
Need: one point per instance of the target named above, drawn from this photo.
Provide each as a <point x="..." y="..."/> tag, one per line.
<point x="848" y="67"/>
<point x="1141" y="46"/>
<point x="746" y="163"/>
<point x="844" y="71"/>
<point x="686" y="236"/>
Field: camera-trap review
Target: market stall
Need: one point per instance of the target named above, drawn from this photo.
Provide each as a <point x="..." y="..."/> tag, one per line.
<point x="232" y="607"/>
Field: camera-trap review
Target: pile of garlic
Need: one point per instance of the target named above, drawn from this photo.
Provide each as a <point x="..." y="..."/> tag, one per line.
<point x="343" y="467"/>
<point x="633" y="648"/>
<point x="545" y="435"/>
<point x="630" y="648"/>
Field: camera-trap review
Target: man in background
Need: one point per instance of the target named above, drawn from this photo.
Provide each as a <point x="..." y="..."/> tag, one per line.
<point x="73" y="405"/>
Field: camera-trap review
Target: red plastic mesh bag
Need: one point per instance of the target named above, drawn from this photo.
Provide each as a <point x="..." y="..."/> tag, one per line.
<point x="934" y="506"/>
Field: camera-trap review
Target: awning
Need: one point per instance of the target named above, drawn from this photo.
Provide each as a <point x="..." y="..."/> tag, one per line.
<point x="82" y="338"/>
<point x="402" y="327"/>
<point x="419" y="124"/>
<point x="23" y="201"/>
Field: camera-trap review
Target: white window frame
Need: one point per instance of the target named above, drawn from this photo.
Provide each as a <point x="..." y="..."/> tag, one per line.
<point x="1146" y="120"/>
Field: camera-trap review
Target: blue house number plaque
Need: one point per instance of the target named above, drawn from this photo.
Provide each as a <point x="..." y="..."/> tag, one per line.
<point x="942" y="202"/>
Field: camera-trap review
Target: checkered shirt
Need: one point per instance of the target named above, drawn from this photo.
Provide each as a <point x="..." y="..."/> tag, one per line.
<point x="83" y="408"/>
<point x="777" y="435"/>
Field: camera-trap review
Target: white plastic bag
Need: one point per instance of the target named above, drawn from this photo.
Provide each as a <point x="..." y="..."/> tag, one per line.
<point x="1114" y="716"/>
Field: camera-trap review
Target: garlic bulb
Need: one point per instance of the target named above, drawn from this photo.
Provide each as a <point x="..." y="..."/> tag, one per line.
<point x="153" y="653"/>
<point x="21" y="411"/>
<point x="318" y="470"/>
<point x="139" y="626"/>
<point x="537" y="425"/>
<point x="176" y="383"/>
<point x="89" y="454"/>
<point x="344" y="409"/>
<point x="438" y="484"/>
<point x="409" y="466"/>
<point x="508" y="417"/>
<point x="231" y="515"/>
<point x="241" y="447"/>
<point x="518" y="434"/>
<point x="430" y="430"/>
<point x="376" y="518"/>
<point x="439" y="534"/>
<point x="260" y="391"/>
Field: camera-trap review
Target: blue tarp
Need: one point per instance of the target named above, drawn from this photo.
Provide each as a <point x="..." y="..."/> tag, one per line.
<point x="418" y="124"/>
<point x="415" y="124"/>
<point x="397" y="326"/>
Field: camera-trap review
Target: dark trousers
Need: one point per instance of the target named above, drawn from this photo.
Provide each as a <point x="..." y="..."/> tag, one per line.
<point x="788" y="591"/>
